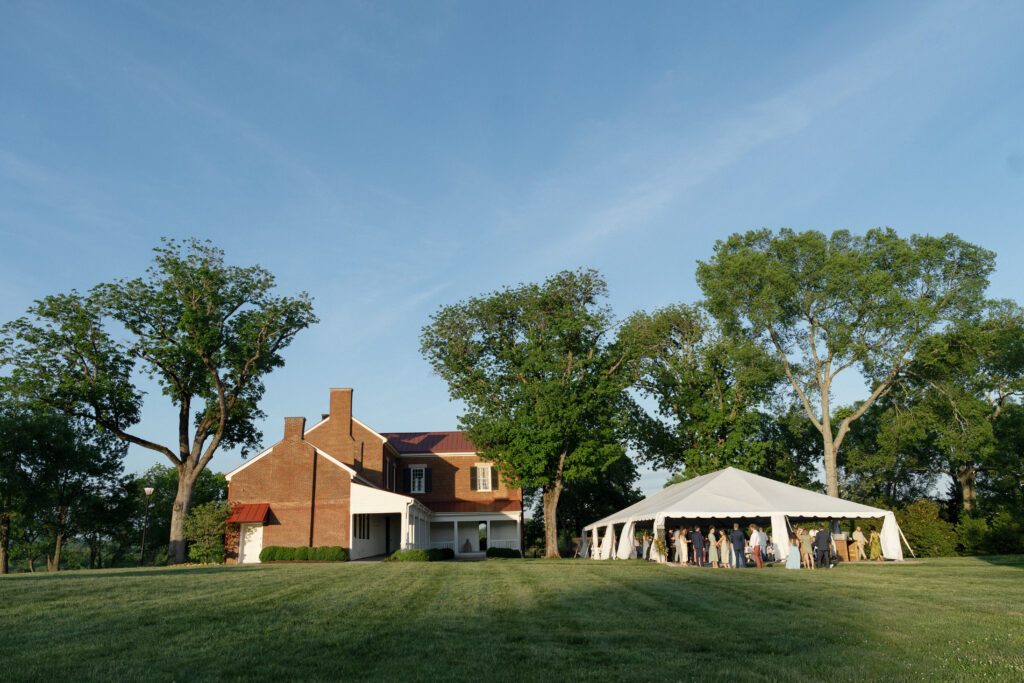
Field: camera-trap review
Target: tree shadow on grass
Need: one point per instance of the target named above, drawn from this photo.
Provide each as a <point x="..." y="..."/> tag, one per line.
<point x="87" y="574"/>
<point x="1013" y="561"/>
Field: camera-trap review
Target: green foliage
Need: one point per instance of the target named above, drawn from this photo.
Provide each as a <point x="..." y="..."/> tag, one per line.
<point x="927" y="533"/>
<point x="707" y="385"/>
<point x="208" y="333"/>
<point x="411" y="555"/>
<point x="824" y="304"/>
<point x="323" y="553"/>
<point x="210" y="486"/>
<point x="972" y="535"/>
<point x="204" y="530"/>
<point x="1006" y="534"/>
<point x="542" y="380"/>
<point x="60" y="479"/>
<point x="504" y="552"/>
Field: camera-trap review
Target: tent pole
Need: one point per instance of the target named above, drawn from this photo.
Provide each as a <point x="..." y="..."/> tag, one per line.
<point x="905" y="541"/>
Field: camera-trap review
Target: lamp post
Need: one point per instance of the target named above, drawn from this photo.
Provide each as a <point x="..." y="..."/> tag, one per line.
<point x="142" y="553"/>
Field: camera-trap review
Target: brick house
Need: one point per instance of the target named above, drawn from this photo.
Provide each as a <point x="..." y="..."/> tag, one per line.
<point x="341" y="483"/>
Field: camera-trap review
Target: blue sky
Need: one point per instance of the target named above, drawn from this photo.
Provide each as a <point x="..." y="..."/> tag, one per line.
<point x="390" y="158"/>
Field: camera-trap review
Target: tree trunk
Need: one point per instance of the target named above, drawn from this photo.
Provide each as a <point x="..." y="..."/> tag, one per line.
<point x="966" y="477"/>
<point x="550" y="495"/>
<point x="5" y="541"/>
<point x="831" y="470"/>
<point x="182" y="504"/>
<point x="53" y="563"/>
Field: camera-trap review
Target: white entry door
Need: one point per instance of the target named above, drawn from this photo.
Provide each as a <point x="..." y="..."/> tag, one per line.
<point x="250" y="542"/>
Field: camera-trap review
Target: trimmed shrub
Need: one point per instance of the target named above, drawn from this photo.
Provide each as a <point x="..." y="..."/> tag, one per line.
<point x="447" y="554"/>
<point x="324" y="553"/>
<point x="269" y="553"/>
<point x="928" y="535"/>
<point x="410" y="556"/>
<point x="330" y="553"/>
<point x="503" y="552"/>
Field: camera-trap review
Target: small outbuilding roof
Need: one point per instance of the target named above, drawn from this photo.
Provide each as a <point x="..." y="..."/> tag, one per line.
<point x="248" y="512"/>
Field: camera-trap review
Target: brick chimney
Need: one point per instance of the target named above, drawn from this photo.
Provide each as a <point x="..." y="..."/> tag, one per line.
<point x="341" y="409"/>
<point x="294" y="428"/>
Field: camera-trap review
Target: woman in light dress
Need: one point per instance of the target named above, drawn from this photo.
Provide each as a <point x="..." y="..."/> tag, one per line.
<point x="713" y="547"/>
<point x="876" y="546"/>
<point x="681" y="546"/>
<point x="793" y="558"/>
<point x="806" y="549"/>
<point x="724" y="547"/>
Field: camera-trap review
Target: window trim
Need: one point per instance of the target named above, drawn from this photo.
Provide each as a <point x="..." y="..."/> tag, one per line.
<point x="483" y="478"/>
<point x="422" y="469"/>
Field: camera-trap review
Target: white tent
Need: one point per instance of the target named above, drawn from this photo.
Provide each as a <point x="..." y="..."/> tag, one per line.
<point x="733" y="494"/>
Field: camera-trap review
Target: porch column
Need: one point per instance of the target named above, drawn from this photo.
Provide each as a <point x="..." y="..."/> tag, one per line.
<point x="519" y="534"/>
<point x="455" y="544"/>
<point x="488" y="533"/>
<point x="405" y="527"/>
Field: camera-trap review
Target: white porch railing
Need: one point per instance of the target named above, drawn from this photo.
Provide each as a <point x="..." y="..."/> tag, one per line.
<point x="511" y="545"/>
<point x="441" y="545"/>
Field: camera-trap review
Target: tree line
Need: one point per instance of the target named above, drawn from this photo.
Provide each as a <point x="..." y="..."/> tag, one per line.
<point x="558" y="389"/>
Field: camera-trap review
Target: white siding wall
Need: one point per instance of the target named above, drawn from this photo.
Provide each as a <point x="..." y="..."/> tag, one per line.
<point x="374" y="545"/>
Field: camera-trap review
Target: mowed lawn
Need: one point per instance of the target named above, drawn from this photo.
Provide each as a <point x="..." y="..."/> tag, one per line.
<point x="518" y="620"/>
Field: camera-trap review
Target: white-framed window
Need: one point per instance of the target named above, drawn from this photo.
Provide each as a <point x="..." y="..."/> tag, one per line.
<point x="483" y="477"/>
<point x="417" y="479"/>
<point x="362" y="524"/>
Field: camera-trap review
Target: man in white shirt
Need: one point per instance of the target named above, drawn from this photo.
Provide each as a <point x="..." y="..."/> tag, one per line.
<point x="755" y="546"/>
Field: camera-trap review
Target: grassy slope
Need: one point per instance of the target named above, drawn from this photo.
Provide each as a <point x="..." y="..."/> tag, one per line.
<point x="516" y="619"/>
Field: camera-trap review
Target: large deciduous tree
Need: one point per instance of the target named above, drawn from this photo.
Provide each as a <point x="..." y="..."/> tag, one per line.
<point x="961" y="383"/>
<point x="826" y="304"/>
<point x="543" y="378"/>
<point x="708" y="386"/>
<point x="207" y="332"/>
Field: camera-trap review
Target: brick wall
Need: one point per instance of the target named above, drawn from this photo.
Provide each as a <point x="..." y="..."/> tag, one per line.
<point x="450" y="482"/>
<point x="284" y="478"/>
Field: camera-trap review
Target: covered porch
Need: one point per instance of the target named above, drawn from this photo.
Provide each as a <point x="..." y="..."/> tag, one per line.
<point x="382" y="522"/>
<point x="470" y="534"/>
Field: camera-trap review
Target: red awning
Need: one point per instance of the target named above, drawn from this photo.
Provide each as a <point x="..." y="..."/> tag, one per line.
<point x="248" y="512"/>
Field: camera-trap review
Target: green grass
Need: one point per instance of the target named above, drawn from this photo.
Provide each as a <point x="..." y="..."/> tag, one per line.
<point x="518" y="620"/>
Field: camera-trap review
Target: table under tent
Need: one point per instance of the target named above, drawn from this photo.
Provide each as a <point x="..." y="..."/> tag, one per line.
<point x="727" y="496"/>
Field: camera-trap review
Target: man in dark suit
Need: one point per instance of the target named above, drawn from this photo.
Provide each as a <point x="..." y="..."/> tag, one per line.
<point x="738" y="541"/>
<point x="823" y="548"/>
<point x="697" y="538"/>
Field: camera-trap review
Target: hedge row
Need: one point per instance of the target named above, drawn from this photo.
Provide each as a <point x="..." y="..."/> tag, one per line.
<point x="503" y="552"/>
<point x="432" y="555"/>
<point x="324" y="553"/>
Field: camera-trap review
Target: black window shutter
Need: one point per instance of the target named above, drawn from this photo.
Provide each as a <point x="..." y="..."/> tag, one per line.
<point x="494" y="479"/>
<point x="426" y="480"/>
<point x="472" y="478"/>
<point x="406" y="480"/>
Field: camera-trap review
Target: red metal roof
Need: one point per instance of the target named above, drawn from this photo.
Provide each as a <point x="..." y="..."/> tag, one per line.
<point x="430" y="442"/>
<point x="248" y="512"/>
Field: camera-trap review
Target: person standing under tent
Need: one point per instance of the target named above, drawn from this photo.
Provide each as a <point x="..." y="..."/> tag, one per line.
<point x="739" y="541"/>
<point x="793" y="558"/>
<point x="645" y="547"/>
<point x="806" y="549"/>
<point x="698" y="546"/>
<point x="876" y="546"/>
<point x="723" y="547"/>
<point x="680" y="546"/>
<point x="755" y="546"/>
<point x="713" y="547"/>
<point x="823" y="548"/>
<point x="859" y="542"/>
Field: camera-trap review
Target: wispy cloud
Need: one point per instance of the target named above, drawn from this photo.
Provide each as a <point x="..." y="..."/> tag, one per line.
<point x="678" y="164"/>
